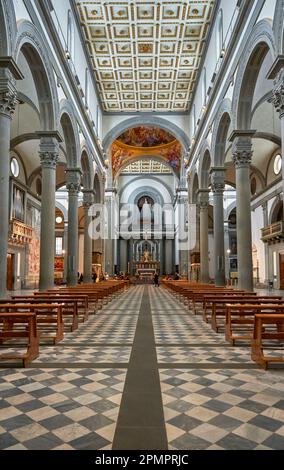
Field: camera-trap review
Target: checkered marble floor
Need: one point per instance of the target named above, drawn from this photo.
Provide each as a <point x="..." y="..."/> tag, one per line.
<point x="220" y="408"/>
<point x="59" y="408"/>
<point x="56" y="404"/>
<point x="213" y="395"/>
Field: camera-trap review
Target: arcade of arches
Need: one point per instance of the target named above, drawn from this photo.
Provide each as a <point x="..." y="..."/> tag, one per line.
<point x="141" y="139"/>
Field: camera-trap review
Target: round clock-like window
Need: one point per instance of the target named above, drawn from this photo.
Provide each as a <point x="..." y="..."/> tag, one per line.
<point x="15" y="168"/>
<point x="277" y="165"/>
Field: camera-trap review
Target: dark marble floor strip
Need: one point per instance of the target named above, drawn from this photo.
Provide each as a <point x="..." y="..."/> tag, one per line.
<point x="141" y="423"/>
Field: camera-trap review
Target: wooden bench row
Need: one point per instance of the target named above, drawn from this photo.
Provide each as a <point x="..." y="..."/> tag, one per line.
<point x="44" y="315"/>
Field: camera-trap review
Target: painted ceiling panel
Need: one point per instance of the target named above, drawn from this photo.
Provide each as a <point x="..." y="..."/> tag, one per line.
<point x="145" y="54"/>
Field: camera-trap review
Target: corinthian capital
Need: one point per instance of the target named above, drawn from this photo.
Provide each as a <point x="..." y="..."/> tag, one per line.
<point x="9" y="73"/>
<point x="242" y="147"/>
<point x="203" y="199"/>
<point x="73" y="180"/>
<point x="278" y="93"/>
<point x="88" y="198"/>
<point x="218" y="179"/>
<point x="276" y="73"/>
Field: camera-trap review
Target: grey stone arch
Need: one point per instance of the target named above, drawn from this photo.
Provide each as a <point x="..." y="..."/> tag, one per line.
<point x="63" y="209"/>
<point x="254" y="171"/>
<point x="204" y="166"/>
<point x="145" y="157"/>
<point x="71" y="134"/>
<point x="154" y="194"/>
<point x="276" y="208"/>
<point x="278" y="26"/>
<point x="221" y="127"/>
<point x="193" y="188"/>
<point x="8" y="28"/>
<point x="34" y="175"/>
<point x="153" y="178"/>
<point x="31" y="44"/>
<point x="87" y="167"/>
<point x="260" y="42"/>
<point x="229" y="209"/>
<point x="150" y="121"/>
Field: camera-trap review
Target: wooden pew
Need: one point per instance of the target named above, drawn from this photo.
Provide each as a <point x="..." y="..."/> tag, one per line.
<point x="49" y="318"/>
<point x="20" y="325"/>
<point x="218" y="306"/>
<point x="260" y="333"/>
<point x="240" y="318"/>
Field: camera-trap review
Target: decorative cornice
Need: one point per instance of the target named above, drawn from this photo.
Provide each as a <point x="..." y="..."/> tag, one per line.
<point x="48" y="149"/>
<point x="9" y="63"/>
<point x="8" y="98"/>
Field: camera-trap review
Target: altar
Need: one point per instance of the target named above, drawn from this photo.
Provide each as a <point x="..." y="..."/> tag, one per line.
<point x="146" y="267"/>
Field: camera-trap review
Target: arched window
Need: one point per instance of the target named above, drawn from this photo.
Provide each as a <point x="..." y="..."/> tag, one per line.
<point x="70" y="36"/>
<point x="219" y="35"/>
<point x="204" y="87"/>
<point x="87" y="88"/>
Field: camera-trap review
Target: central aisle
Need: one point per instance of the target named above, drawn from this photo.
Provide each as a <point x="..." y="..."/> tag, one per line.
<point x="142" y="373"/>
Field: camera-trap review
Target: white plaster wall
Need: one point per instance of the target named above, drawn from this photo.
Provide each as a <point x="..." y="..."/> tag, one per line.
<point x="27" y="85"/>
<point x="263" y="85"/>
<point x="20" y="10"/>
<point x="268" y="9"/>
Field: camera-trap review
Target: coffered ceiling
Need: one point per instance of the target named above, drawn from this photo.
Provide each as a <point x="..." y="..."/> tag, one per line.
<point x="145" y="53"/>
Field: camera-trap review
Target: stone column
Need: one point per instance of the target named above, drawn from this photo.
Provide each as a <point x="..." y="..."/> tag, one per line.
<point x="266" y="246"/>
<point x="203" y="216"/>
<point x="169" y="256"/>
<point x="88" y="199"/>
<point x="131" y="244"/>
<point x="9" y="72"/>
<point x="162" y="256"/>
<point x="123" y="255"/>
<point x="277" y="74"/>
<point x="218" y="186"/>
<point x="73" y="186"/>
<point x="49" y="154"/>
<point x="111" y="229"/>
<point x="242" y="154"/>
<point x="65" y="245"/>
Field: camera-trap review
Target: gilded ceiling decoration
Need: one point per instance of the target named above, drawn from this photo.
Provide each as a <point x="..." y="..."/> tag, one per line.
<point x="122" y="154"/>
<point x="144" y="136"/>
<point x="145" y="54"/>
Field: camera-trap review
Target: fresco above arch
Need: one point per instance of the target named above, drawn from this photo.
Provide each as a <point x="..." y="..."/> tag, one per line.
<point x="147" y="142"/>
